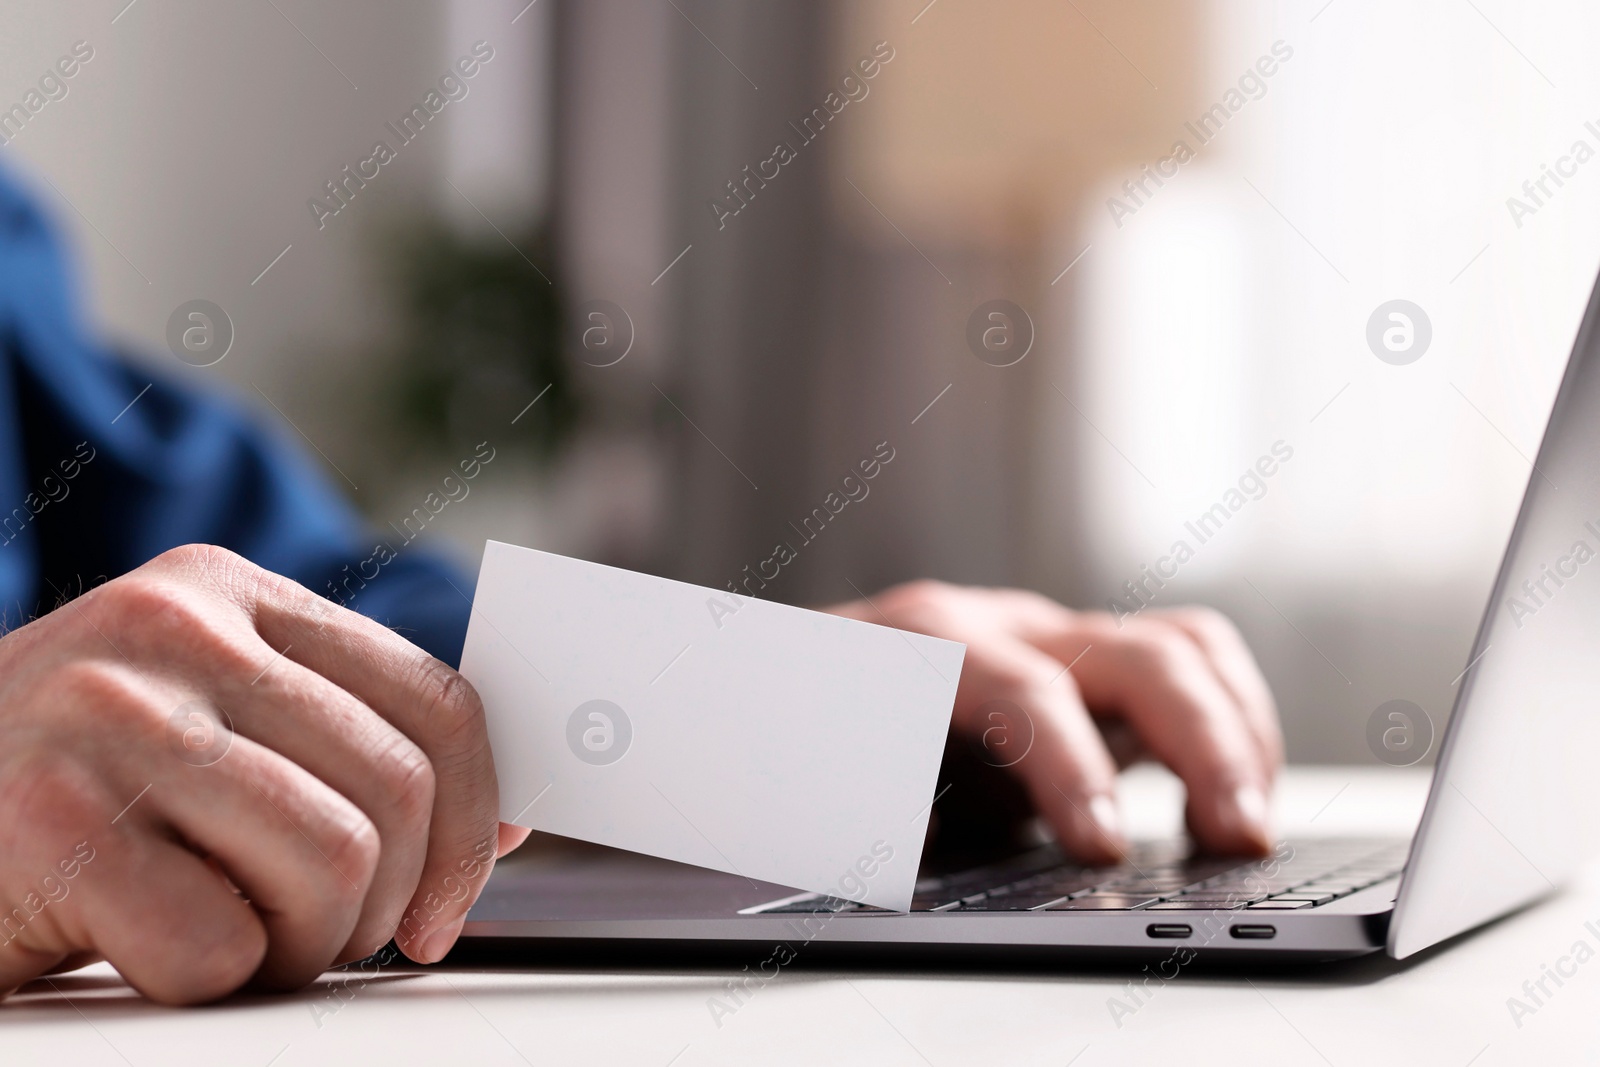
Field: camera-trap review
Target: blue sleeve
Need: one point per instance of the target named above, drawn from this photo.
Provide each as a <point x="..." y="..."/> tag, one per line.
<point x="105" y="464"/>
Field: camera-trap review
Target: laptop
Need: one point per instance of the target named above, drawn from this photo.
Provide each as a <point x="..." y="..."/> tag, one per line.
<point x="1512" y="812"/>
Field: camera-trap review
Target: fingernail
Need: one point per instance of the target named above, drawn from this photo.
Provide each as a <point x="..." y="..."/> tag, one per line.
<point x="1104" y="811"/>
<point x="437" y="944"/>
<point x="1245" y="812"/>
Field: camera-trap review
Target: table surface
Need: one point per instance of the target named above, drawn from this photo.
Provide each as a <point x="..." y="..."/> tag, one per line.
<point x="1450" y="1005"/>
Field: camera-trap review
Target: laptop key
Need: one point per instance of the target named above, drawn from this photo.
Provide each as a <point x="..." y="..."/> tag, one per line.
<point x="1279" y="905"/>
<point x="1103" y="902"/>
<point x="1185" y="904"/>
<point x="1014" y="902"/>
<point x="1217" y="898"/>
<point x="1308" y="898"/>
<point x="1153" y="888"/>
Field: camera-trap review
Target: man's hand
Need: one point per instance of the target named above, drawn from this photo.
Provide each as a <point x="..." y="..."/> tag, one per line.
<point x="353" y="799"/>
<point x="1178" y="684"/>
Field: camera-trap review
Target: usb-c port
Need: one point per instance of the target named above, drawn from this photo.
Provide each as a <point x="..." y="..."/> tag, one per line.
<point x="1173" y="930"/>
<point x="1254" y="931"/>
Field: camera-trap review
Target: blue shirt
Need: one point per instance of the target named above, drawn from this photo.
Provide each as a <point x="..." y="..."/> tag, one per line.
<point x="91" y="488"/>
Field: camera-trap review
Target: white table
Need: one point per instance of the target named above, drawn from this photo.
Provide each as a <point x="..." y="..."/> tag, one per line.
<point x="1447" y="1007"/>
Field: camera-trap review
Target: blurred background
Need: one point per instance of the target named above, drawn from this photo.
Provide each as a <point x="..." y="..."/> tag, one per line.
<point x="678" y="337"/>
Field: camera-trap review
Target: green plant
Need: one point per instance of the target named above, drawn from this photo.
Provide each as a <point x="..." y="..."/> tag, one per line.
<point x="478" y="340"/>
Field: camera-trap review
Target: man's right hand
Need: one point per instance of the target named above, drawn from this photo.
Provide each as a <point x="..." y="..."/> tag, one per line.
<point x="354" y="798"/>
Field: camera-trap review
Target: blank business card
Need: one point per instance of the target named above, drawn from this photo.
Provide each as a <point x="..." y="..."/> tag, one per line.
<point x="769" y="741"/>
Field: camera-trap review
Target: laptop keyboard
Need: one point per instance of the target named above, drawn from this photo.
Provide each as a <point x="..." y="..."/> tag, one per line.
<point x="1155" y="877"/>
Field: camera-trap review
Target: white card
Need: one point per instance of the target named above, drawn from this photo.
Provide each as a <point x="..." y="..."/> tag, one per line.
<point x="734" y="733"/>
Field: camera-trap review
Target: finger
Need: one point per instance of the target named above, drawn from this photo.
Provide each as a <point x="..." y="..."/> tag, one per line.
<point x="1156" y="676"/>
<point x="440" y="712"/>
<point x="345" y="744"/>
<point x="1229" y="656"/>
<point x="21" y="963"/>
<point x="152" y="908"/>
<point x="301" y="854"/>
<point x="167" y="922"/>
<point x="1159" y="680"/>
<point x="510" y="837"/>
<point x="1067" y="771"/>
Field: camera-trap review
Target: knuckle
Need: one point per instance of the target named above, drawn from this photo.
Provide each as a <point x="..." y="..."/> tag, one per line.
<point x="1039" y="613"/>
<point x="211" y="565"/>
<point x="922" y="591"/>
<point x="137" y="603"/>
<point x="925" y="604"/>
<point x="167" y="616"/>
<point x="1018" y="683"/>
<point x="107" y="694"/>
<point x="50" y="796"/>
<point x="1161" y="650"/>
<point x="452" y="712"/>
<point x="1016" y="679"/>
<point x="1034" y="602"/>
<point x="354" y="847"/>
<point x="182" y="555"/>
<point x="406" y="782"/>
<point x="1208" y="621"/>
<point x="197" y="557"/>
<point x="137" y="600"/>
